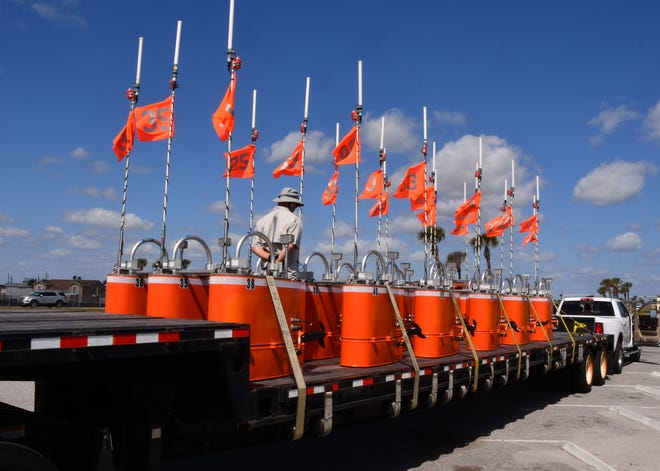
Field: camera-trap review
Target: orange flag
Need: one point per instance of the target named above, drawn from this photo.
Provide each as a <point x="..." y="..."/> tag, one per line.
<point x="418" y="203"/>
<point x="223" y="118"/>
<point x="428" y="217"/>
<point x="461" y="229"/>
<point x="348" y="149"/>
<point x="382" y="205"/>
<point x="153" y="121"/>
<point x="330" y="193"/>
<point x="123" y="142"/>
<point x="528" y="224"/>
<point x="467" y="212"/>
<point x="241" y="162"/>
<point x="374" y="186"/>
<point x="413" y="182"/>
<point x="293" y="164"/>
<point x="531" y="237"/>
<point x="496" y="226"/>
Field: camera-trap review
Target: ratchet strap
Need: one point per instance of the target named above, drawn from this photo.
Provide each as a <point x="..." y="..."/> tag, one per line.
<point x="466" y="336"/>
<point x="413" y="360"/>
<point x="511" y="331"/>
<point x="293" y="357"/>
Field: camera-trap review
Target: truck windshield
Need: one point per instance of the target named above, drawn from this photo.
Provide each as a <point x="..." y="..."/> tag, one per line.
<point x="591" y="308"/>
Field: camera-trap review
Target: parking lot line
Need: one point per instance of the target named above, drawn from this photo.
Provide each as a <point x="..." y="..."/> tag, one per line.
<point x="636" y="417"/>
<point x="586" y="457"/>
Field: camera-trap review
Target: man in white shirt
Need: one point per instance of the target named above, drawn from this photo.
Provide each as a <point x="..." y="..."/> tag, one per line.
<point x="279" y="221"/>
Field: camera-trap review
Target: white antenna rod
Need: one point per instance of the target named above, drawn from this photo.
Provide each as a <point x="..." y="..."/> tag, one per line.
<point x="480" y="152"/>
<point x="307" y="99"/>
<point x="178" y="41"/>
<point x="359" y="83"/>
<point x="506" y="186"/>
<point x="139" y="62"/>
<point x="254" y="108"/>
<point x="424" y="123"/>
<point x="513" y="174"/>
<point x="537" y="189"/>
<point x="382" y="131"/>
<point x="230" y="34"/>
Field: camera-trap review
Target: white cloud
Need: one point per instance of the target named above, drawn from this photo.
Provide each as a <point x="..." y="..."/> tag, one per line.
<point x="83" y="243"/>
<point x="79" y="153"/>
<point x="613" y="183"/>
<point x="106" y="218"/>
<point x="13" y="232"/>
<point x="400" y="134"/>
<point x="47" y="161"/>
<point x="610" y="118"/>
<point x="450" y="118"/>
<point x="652" y="122"/>
<point x="108" y="193"/>
<point x="625" y="242"/>
<point x="586" y="250"/>
<point x="52" y="232"/>
<point x="99" y="166"/>
<point x="51" y="13"/>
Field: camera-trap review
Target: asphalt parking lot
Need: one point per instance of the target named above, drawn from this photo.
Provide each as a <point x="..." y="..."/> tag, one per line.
<point x="533" y="425"/>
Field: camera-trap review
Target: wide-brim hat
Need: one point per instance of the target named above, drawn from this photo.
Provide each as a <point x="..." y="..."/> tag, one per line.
<point x="289" y="195"/>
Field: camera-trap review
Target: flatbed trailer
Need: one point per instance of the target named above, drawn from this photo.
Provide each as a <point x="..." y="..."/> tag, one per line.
<point x="122" y="392"/>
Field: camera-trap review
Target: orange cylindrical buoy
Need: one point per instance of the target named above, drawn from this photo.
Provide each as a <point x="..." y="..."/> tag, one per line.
<point x="246" y="299"/>
<point x="543" y="308"/>
<point x="178" y="296"/>
<point x="323" y="307"/>
<point x="126" y="294"/>
<point x="370" y="335"/>
<point x="434" y="313"/>
<point x="483" y="321"/>
<point x="517" y="310"/>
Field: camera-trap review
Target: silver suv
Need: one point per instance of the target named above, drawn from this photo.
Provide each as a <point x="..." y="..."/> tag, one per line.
<point x="44" y="298"/>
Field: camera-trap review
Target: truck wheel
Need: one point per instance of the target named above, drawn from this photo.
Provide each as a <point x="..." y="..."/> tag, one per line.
<point x="583" y="373"/>
<point x="617" y="360"/>
<point x="33" y="303"/>
<point x="600" y="367"/>
<point x="17" y="457"/>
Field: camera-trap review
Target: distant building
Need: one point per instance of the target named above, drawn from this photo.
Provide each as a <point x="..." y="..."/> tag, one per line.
<point x="11" y="293"/>
<point x="79" y="292"/>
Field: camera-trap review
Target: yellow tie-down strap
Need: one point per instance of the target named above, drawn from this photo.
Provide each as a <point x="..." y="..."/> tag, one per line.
<point x="576" y="325"/>
<point x="508" y="323"/>
<point x="413" y="360"/>
<point x="547" y="338"/>
<point x="466" y="336"/>
<point x="293" y="358"/>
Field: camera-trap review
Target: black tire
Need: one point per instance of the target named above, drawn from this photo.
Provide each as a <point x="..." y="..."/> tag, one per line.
<point x="15" y="457"/>
<point x="636" y="356"/>
<point x="59" y="304"/>
<point x="583" y="373"/>
<point x="600" y="367"/>
<point x="616" y="363"/>
<point x="34" y="303"/>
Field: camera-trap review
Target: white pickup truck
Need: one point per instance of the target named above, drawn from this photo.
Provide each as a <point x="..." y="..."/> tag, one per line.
<point x="606" y="316"/>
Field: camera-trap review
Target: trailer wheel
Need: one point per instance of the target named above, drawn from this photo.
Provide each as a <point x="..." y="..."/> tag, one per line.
<point x="584" y="373"/>
<point x="15" y="457"/>
<point x="600" y="367"/>
<point x="616" y="366"/>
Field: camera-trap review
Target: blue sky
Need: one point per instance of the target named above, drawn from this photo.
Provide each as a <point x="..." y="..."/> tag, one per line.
<point x="568" y="90"/>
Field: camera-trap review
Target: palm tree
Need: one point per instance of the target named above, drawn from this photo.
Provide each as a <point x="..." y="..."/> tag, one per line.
<point x="434" y="235"/>
<point x="625" y="290"/>
<point x="486" y="242"/>
<point x="605" y="286"/>
<point x="457" y="259"/>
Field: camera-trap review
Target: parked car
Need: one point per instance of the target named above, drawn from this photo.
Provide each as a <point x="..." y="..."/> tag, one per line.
<point x="646" y="329"/>
<point x="45" y="298"/>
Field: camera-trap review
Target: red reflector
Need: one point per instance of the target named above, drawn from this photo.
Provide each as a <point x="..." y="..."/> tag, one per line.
<point x="73" y="342"/>
<point x="599" y="328"/>
<point x="586" y="300"/>
<point x="168" y="337"/>
<point x="124" y="339"/>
